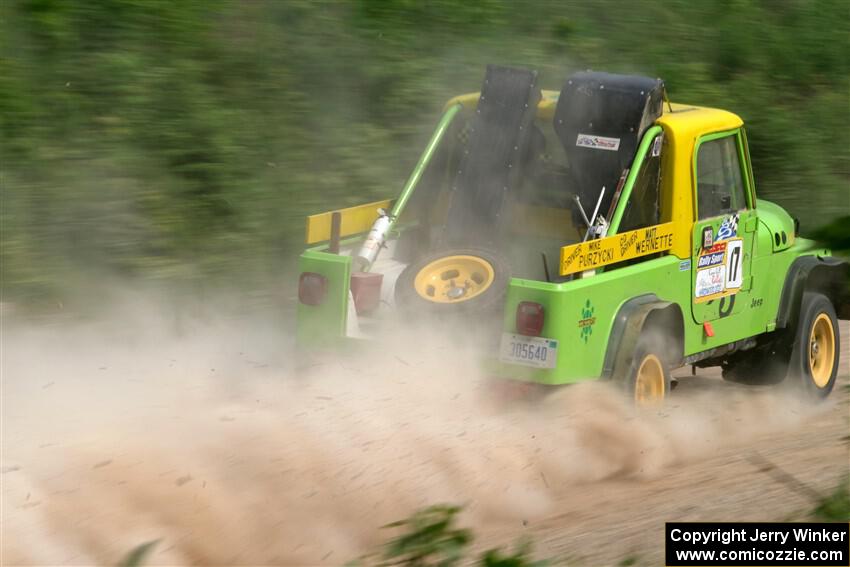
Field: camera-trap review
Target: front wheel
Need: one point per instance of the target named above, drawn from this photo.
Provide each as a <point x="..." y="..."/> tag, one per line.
<point x="814" y="362"/>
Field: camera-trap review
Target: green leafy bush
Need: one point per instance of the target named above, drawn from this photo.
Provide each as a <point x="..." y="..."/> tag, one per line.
<point x="431" y="539"/>
<point x="186" y="141"/>
<point x="834" y="507"/>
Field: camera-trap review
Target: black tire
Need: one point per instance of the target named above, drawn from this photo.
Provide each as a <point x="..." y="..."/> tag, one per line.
<point x="809" y="370"/>
<point x="491" y="299"/>
<point x="646" y="350"/>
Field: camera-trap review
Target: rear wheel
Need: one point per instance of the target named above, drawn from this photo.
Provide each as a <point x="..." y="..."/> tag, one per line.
<point x="647" y="381"/>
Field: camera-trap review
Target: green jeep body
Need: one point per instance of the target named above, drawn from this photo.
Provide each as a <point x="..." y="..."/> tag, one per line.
<point x="669" y="277"/>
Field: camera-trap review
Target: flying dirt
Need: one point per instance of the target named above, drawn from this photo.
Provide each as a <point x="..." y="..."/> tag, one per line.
<point x="207" y="438"/>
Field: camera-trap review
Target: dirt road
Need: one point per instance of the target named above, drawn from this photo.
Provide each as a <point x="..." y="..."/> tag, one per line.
<point x="209" y="441"/>
<point x="617" y="519"/>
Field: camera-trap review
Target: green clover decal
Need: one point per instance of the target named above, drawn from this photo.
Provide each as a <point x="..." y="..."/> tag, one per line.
<point x="586" y="322"/>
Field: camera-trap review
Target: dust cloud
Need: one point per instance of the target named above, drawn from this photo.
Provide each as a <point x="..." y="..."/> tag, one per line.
<point x="216" y="437"/>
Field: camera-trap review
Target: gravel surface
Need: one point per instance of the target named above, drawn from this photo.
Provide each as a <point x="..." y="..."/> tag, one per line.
<point x="204" y="437"/>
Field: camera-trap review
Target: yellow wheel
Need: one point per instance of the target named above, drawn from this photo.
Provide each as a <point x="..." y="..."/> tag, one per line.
<point x="650" y="381"/>
<point x="814" y="360"/>
<point x="646" y="382"/>
<point x="822" y="350"/>
<point x="453" y="279"/>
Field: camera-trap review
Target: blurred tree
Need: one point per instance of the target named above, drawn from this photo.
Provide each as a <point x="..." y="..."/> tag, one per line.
<point x="185" y="141"/>
<point x="836" y="235"/>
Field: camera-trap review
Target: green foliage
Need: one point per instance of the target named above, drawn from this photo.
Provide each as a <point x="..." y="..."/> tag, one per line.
<point x="836" y="506"/>
<point x="520" y="557"/>
<point x="835" y="235"/>
<point x="137" y="555"/>
<point x="185" y="141"/>
<point x="431" y="539"/>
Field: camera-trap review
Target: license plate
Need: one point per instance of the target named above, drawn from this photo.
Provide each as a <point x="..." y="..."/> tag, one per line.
<point x="537" y="352"/>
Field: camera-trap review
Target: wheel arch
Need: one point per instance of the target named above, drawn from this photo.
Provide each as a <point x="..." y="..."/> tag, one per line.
<point x="823" y="274"/>
<point x="633" y="318"/>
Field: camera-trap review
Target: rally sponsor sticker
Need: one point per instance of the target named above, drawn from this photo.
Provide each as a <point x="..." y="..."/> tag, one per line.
<point x="598" y="142"/>
<point x="708" y="260"/>
<point x="710" y="282"/>
<point x="719" y="270"/>
<point x="707" y="237"/>
<point x="728" y="228"/>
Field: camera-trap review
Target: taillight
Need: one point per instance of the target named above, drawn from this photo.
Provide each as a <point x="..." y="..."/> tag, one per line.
<point x="312" y="288"/>
<point x="529" y="318"/>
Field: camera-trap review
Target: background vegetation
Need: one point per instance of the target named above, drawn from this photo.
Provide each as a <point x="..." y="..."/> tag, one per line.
<point x="183" y="142"/>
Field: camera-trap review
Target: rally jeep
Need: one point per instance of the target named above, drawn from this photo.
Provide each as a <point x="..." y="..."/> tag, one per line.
<point x="611" y="233"/>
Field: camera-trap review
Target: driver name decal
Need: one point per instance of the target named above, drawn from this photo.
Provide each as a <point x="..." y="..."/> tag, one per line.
<point x="618" y="248"/>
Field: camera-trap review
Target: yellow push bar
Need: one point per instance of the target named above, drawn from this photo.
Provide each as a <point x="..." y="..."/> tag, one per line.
<point x="354" y="221"/>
